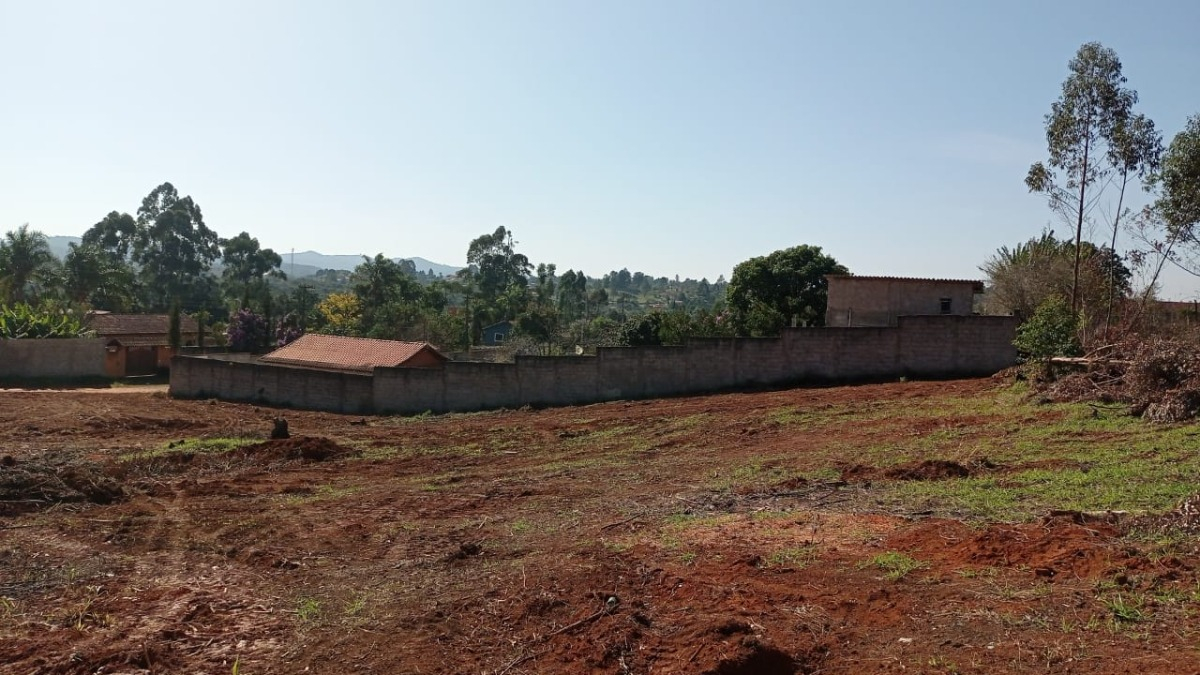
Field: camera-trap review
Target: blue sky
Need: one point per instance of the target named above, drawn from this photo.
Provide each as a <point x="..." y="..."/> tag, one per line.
<point x="668" y="137"/>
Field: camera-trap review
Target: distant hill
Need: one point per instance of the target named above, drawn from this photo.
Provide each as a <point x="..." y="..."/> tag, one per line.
<point x="349" y="262"/>
<point x="302" y="264"/>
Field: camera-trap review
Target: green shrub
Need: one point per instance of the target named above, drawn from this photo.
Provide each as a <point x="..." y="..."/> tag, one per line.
<point x="1053" y="330"/>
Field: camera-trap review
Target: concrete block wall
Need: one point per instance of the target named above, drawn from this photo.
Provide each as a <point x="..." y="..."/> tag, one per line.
<point x="57" y="358"/>
<point x="920" y="346"/>
<point x="240" y="380"/>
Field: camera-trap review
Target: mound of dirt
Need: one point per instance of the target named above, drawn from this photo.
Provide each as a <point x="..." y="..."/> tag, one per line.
<point x="930" y="469"/>
<point x="119" y="422"/>
<point x="1071" y="544"/>
<point x="297" y="448"/>
<point x="858" y="473"/>
<point x="305" y="448"/>
<point x="27" y="486"/>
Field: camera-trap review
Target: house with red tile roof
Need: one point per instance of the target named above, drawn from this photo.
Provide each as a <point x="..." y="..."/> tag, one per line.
<point x="139" y="344"/>
<point x="877" y="301"/>
<point x="350" y="354"/>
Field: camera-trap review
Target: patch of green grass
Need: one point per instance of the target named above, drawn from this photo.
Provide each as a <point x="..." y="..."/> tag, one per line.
<point x="756" y="472"/>
<point x="796" y="557"/>
<point x="194" y="445"/>
<point x="308" y="609"/>
<point x="520" y="526"/>
<point x="979" y="572"/>
<point x="354" y="607"/>
<point x="895" y="565"/>
<point x="682" y="521"/>
<point x="1127" y="609"/>
<point x="1076" y="459"/>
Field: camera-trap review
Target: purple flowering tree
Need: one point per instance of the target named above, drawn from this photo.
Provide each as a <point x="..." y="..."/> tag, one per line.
<point x="288" y="329"/>
<point x="247" y="331"/>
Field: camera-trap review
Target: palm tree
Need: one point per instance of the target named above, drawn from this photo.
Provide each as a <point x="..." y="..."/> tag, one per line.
<point x="95" y="276"/>
<point x="25" y="263"/>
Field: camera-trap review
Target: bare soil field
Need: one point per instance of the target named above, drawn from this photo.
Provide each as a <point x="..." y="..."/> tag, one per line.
<point x="915" y="526"/>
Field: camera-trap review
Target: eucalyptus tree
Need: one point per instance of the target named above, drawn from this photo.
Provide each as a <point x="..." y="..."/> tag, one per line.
<point x="172" y="245"/>
<point x="1179" y="181"/>
<point x="1176" y="211"/>
<point x="115" y="234"/>
<point x="246" y="267"/>
<point x="499" y="273"/>
<point x="1091" y="132"/>
<point x="1135" y="152"/>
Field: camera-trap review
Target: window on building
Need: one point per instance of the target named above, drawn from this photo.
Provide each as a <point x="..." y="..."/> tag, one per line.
<point x="945" y="302"/>
<point x="498" y="337"/>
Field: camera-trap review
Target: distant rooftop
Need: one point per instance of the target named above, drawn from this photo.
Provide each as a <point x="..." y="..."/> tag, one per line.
<point x="334" y="352"/>
<point x="973" y="282"/>
<point x="107" y="324"/>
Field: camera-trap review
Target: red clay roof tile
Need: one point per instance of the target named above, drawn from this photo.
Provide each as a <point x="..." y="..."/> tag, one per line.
<point x="335" y="352"/>
<point x="107" y="325"/>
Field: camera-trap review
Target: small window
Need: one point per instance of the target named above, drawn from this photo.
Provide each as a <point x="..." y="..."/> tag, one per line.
<point x="498" y="337"/>
<point x="945" y="302"/>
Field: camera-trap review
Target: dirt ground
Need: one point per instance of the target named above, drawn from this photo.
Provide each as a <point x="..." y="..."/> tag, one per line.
<point x="689" y="535"/>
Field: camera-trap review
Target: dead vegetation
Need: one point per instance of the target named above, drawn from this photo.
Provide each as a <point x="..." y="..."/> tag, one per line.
<point x="29" y="485"/>
<point x="1157" y="378"/>
<point x="40" y="482"/>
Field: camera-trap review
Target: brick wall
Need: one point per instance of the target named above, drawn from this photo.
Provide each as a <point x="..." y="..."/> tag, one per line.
<point x="235" y="377"/>
<point x="65" y="358"/>
<point x="920" y="346"/>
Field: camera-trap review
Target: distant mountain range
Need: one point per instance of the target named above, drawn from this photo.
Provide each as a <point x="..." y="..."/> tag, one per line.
<point x="300" y="265"/>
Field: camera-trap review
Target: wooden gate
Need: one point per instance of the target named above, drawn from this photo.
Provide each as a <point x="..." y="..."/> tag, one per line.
<point x="141" y="361"/>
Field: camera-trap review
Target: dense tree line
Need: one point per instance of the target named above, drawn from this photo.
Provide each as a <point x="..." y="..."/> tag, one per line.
<point x="165" y="258"/>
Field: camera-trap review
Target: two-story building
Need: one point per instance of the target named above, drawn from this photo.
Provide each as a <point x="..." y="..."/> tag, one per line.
<point x="877" y="301"/>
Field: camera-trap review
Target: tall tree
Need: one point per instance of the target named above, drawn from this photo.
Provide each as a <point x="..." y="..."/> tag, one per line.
<point x="768" y="293"/>
<point x="572" y="295"/>
<point x="26" y="264"/>
<point x="115" y="234"/>
<point x="173" y="246"/>
<point x="496" y="279"/>
<point x="97" y="277"/>
<point x="1080" y="130"/>
<point x="247" y="266"/>
<point x="1176" y="212"/>
<point x="1179" y="181"/>
<point x="1135" y="152"/>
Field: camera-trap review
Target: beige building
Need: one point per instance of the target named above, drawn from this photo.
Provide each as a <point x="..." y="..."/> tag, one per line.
<point x="877" y="301"/>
